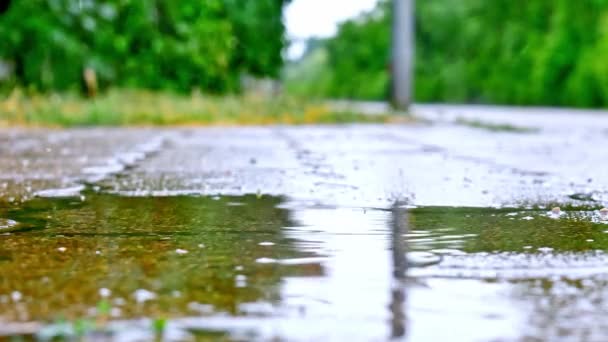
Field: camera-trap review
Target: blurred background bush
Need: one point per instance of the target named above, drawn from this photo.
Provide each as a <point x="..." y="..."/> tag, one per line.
<point x="154" y="44"/>
<point x="541" y="52"/>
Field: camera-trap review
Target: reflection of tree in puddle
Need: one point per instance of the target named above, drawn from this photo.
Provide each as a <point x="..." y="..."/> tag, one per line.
<point x="528" y="275"/>
<point x="186" y="250"/>
<point x="504" y="230"/>
<point x="563" y="309"/>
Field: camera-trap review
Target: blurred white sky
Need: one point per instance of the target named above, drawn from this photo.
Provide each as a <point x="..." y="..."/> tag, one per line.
<point x="319" y="18"/>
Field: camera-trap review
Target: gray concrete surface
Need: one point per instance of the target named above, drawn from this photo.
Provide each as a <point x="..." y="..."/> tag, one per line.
<point x="443" y="162"/>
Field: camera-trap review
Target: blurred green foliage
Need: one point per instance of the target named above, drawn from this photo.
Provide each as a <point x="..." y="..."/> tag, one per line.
<point x="157" y="44"/>
<point x="543" y="52"/>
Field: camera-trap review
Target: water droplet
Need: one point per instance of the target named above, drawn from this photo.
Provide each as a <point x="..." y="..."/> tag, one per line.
<point x="555" y="212"/>
<point x="240" y="280"/>
<point x="16" y="296"/>
<point x="7" y="224"/>
<point x="604" y="214"/>
<point x="266" y="243"/>
<point x="115" y="312"/>
<point x="104" y="292"/>
<point x="143" y="295"/>
<point x="265" y="260"/>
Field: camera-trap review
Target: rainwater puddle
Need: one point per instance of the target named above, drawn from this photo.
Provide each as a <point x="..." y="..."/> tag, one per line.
<point x="259" y="268"/>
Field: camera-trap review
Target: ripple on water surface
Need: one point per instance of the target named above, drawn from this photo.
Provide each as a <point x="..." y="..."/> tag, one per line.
<point x="504" y="243"/>
<point x="507" y="274"/>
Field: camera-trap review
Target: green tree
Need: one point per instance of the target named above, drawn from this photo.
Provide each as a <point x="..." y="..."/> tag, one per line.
<point x="545" y="52"/>
<point x="159" y="44"/>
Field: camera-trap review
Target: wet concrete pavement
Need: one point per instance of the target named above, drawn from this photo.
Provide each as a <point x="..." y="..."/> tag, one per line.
<point x="437" y="163"/>
<point x="309" y="253"/>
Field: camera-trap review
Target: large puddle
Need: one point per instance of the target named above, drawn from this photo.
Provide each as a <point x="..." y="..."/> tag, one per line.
<point x="259" y="267"/>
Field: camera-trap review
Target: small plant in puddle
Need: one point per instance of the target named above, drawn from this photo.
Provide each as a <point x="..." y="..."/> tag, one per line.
<point x="104" y="307"/>
<point x="83" y="327"/>
<point x="158" y="326"/>
<point x="103" y="312"/>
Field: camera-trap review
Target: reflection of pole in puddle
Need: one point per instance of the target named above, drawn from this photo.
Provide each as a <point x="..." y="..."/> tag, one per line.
<point x="397" y="305"/>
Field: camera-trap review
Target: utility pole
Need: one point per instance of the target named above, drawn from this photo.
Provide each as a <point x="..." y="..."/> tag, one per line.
<point x="402" y="53"/>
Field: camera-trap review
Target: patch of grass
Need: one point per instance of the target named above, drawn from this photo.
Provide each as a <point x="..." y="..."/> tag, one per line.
<point x="494" y="127"/>
<point x="121" y="107"/>
<point x="159" y="325"/>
